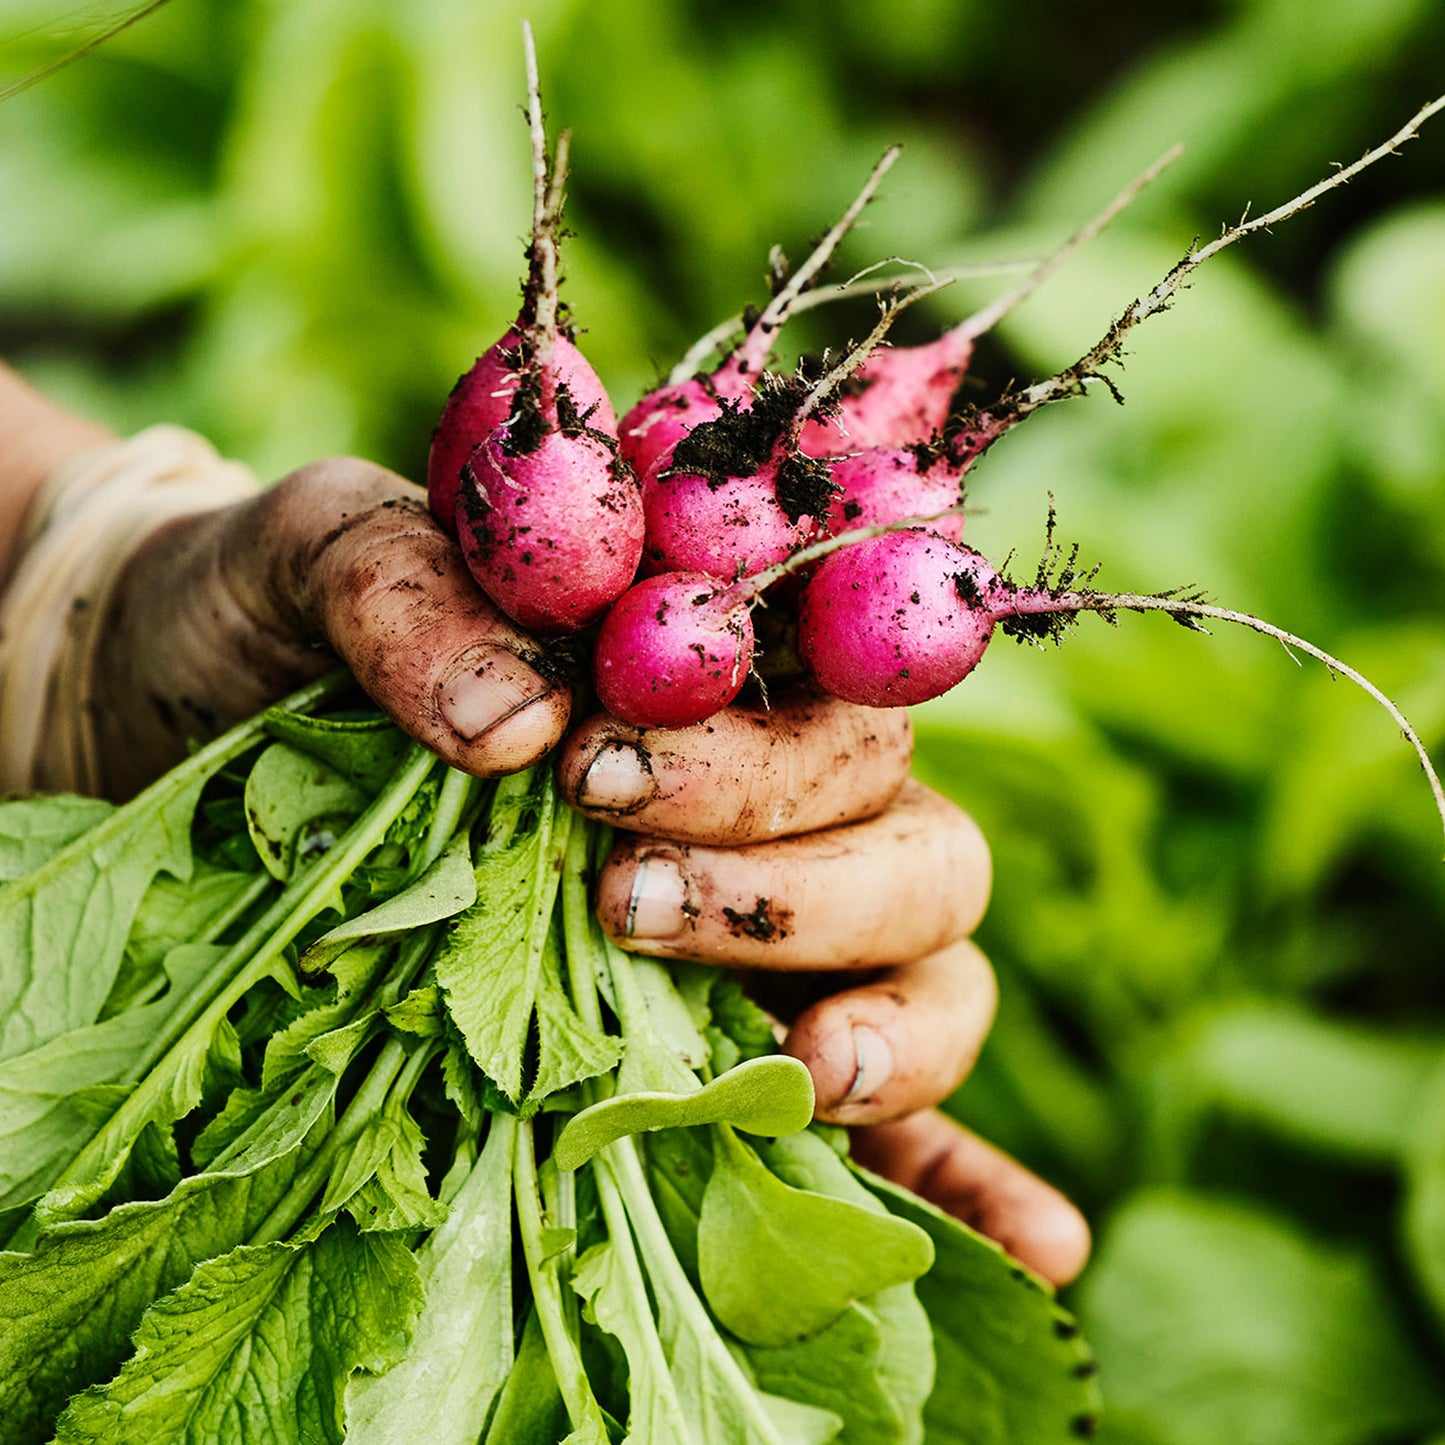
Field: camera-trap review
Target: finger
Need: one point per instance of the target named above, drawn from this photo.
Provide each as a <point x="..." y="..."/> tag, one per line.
<point x="900" y="1043"/>
<point x="964" y="1176"/>
<point x="748" y="774"/>
<point x="347" y="551"/>
<point x="867" y="895"/>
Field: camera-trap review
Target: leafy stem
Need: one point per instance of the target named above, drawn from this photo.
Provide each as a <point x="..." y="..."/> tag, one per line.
<point x="365" y="1105"/>
<point x="670" y="1280"/>
<point x="248" y="961"/>
<point x="544" y="1274"/>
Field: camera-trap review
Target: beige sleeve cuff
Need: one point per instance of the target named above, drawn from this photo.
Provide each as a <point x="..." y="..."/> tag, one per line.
<point x="86" y="523"/>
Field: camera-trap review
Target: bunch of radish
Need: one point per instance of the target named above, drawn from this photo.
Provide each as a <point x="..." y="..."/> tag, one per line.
<point x="836" y="502"/>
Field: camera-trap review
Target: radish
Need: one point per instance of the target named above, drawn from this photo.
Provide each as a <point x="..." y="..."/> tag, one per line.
<point x="653" y="427"/>
<point x="900" y="396"/>
<point x="673" y="650"/>
<point x="882" y="485"/>
<point x="552" y="534"/>
<point x="902" y="616"/>
<point x="481" y="402"/>
<point x="886" y="621"/>
<point x="548" y="515"/>
<point x="737" y="499"/>
<point x="739" y="495"/>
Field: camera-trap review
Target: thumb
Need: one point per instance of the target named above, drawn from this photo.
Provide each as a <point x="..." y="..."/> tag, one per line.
<point x="345" y="552"/>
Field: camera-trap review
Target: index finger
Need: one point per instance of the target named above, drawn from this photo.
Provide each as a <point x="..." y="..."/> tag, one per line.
<point x="747" y="775"/>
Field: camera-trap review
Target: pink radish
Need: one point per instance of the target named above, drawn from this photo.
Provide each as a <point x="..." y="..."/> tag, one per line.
<point x="901" y="617"/>
<point x="902" y="396"/>
<point x="481" y="402"/>
<point x="552" y="534"/>
<point x="885" y="621"/>
<point x="663" y="417"/>
<point x="549" y="517"/>
<point x="884" y="485"/>
<point x="739" y="496"/>
<point x="673" y="650"/>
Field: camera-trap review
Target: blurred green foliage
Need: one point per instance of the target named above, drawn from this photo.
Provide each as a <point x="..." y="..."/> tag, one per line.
<point x="1219" y="914"/>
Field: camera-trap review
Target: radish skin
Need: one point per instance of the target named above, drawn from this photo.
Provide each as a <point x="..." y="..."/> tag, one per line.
<point x="726" y="529"/>
<point x="673" y="650"/>
<point x="880" y="485"/>
<point x="884" y="622"/>
<point x="552" y="535"/>
<point x="481" y="402"/>
<point x="900" y="397"/>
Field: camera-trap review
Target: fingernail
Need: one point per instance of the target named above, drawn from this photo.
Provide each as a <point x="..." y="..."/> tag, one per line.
<point x="619" y="779"/>
<point x="658" y="906"/>
<point x="875" y="1063"/>
<point x="486" y="690"/>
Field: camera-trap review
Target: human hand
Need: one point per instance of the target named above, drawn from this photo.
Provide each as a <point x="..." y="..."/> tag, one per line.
<point x="788" y="841"/>
<point x="792" y="842"/>
<point x="219" y="615"/>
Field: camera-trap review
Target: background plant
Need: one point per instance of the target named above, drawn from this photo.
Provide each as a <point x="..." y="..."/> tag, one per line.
<point x="1219" y="907"/>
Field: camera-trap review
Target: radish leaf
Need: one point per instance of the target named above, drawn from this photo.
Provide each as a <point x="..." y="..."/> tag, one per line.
<point x="34" y="830"/>
<point x="1011" y="1365"/>
<point x="295" y="804"/>
<point x="445" y="889"/>
<point x="313" y="1312"/>
<point x="763" y="1096"/>
<point x="461" y="1351"/>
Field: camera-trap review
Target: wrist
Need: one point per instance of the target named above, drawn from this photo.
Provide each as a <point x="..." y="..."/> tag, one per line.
<point x="60" y="610"/>
<point x="36" y="436"/>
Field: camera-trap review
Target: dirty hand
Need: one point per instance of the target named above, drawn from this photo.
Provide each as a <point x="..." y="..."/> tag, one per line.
<point x="788" y="841"/>
<point x="792" y="842"/>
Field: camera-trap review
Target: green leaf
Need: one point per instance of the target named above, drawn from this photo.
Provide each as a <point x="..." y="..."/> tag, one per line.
<point x="264" y="1120"/>
<point x="34" y="830"/>
<point x="610" y="1279"/>
<point x="1011" y="1366"/>
<point x="171" y="914"/>
<point x="365" y="751"/>
<point x="1336" y="1086"/>
<point x="772" y="1096"/>
<point x="54" y="1098"/>
<point x="63" y="927"/>
<point x="316" y="1035"/>
<point x="679" y="1162"/>
<point x="174" y="1086"/>
<point x="314" y="1313"/>
<point x="736" y="1016"/>
<point x="460" y="1354"/>
<point x="660" y="1036"/>
<point x="872" y="1368"/>
<point x="778" y="1264"/>
<point x="490" y="964"/>
<point x="800" y="1424"/>
<point x="382" y="1180"/>
<point x="716" y="1391"/>
<point x="1271" y="1338"/>
<point x="530" y="1410"/>
<point x="668" y="1013"/>
<point x="445" y="889"/>
<point x="421" y="1012"/>
<point x="168" y="1096"/>
<point x="1424" y="1216"/>
<point x="70" y="1306"/>
<point x="296" y="805"/>
<point x="869" y="1370"/>
<point x="569" y="1050"/>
